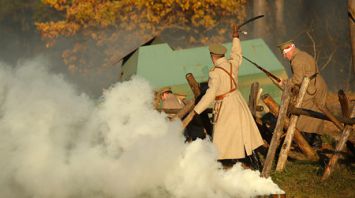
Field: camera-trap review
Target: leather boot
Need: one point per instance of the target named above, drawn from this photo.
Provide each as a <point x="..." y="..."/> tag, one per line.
<point x="308" y="137"/>
<point x="316" y="141"/>
<point x="255" y="161"/>
<point x="313" y="139"/>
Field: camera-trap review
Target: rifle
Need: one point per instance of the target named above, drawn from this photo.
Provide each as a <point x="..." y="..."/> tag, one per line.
<point x="269" y="74"/>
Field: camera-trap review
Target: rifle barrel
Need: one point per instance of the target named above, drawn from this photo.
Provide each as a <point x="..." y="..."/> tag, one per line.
<point x="263" y="69"/>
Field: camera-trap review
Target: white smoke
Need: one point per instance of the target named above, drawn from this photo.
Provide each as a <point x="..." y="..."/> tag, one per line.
<point x="55" y="142"/>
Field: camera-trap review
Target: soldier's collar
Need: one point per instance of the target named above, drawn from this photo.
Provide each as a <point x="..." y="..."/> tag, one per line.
<point x="295" y="53"/>
<point x="220" y="61"/>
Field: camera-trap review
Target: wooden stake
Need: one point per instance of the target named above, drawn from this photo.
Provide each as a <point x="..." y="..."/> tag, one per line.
<point x="291" y="129"/>
<point x="253" y="96"/>
<point x="308" y="151"/>
<point x="344" y="103"/>
<point x="195" y="87"/>
<point x="285" y="100"/>
<point x="340" y="146"/>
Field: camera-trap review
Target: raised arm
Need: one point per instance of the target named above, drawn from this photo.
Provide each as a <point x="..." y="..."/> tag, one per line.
<point x="236" y="51"/>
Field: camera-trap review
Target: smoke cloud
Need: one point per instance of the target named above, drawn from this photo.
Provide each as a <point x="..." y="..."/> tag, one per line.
<point x="57" y="142"/>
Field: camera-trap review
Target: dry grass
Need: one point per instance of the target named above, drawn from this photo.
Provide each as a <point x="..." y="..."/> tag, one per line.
<point x="303" y="179"/>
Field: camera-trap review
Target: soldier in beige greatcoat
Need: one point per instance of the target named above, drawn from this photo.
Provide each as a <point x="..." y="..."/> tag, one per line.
<point x="304" y="65"/>
<point x="235" y="133"/>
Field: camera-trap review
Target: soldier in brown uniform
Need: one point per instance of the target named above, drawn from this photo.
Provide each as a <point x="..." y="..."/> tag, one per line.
<point x="235" y="133"/>
<point x="302" y="65"/>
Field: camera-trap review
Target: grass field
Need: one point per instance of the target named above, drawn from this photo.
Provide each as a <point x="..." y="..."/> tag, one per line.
<point x="303" y="179"/>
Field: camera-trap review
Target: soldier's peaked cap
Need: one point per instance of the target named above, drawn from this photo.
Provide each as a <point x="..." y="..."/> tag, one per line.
<point x="285" y="45"/>
<point x="217" y="49"/>
<point x="164" y="89"/>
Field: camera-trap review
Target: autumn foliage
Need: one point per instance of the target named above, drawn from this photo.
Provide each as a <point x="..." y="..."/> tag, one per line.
<point x="114" y="24"/>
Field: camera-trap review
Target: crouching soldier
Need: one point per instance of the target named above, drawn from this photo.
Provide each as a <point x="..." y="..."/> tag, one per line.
<point x="304" y="65"/>
<point x="173" y="101"/>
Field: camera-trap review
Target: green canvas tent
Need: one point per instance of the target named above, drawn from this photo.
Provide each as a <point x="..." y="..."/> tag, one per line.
<point x="163" y="66"/>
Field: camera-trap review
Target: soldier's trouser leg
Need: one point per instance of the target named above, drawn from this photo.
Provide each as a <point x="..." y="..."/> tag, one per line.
<point x="313" y="139"/>
<point x="317" y="141"/>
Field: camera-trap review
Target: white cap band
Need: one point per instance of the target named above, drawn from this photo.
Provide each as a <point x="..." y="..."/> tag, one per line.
<point x="286" y="50"/>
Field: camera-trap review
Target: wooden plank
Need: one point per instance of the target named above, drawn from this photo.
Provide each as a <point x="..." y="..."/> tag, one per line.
<point x="275" y="141"/>
<point x="308" y="151"/>
<point x="291" y="129"/>
<point x="339" y="147"/>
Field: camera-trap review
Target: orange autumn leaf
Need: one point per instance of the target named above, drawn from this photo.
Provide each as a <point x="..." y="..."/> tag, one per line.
<point x="100" y="21"/>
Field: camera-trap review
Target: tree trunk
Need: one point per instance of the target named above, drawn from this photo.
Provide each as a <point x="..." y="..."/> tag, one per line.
<point x="351" y="11"/>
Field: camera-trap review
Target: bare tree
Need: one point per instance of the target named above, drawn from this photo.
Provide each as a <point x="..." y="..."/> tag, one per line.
<point x="351" y="13"/>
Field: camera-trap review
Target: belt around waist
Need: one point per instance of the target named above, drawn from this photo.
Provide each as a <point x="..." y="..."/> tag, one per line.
<point x="220" y="97"/>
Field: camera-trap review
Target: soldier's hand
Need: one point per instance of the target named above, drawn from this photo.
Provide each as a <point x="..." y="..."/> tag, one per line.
<point x="235" y="31"/>
<point x="279" y="84"/>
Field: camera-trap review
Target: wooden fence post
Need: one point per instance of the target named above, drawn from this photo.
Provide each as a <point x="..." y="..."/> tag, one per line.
<point x="309" y="152"/>
<point x="344" y="103"/>
<point x="253" y="96"/>
<point x="285" y="100"/>
<point x="291" y="129"/>
<point x="340" y="145"/>
<point x="195" y="87"/>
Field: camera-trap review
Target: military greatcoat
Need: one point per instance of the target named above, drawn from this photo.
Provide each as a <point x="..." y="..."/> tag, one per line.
<point x="302" y="65"/>
<point x="235" y="132"/>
